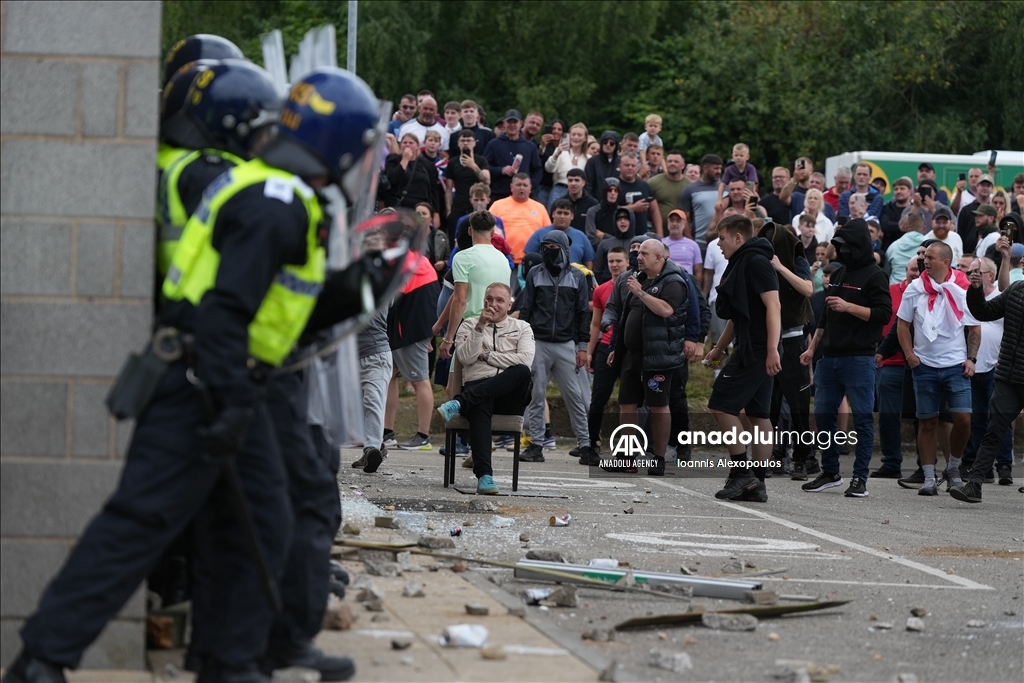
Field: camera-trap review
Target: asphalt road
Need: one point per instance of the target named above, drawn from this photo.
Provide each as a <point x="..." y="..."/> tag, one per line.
<point x="888" y="553"/>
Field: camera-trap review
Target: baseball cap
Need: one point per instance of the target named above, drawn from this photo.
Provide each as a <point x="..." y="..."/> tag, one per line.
<point x="925" y="166"/>
<point x="986" y="178"/>
<point x="1017" y="250"/>
<point x="512" y="115"/>
<point x="711" y="160"/>
<point x="944" y="211"/>
<point x="611" y="182"/>
<point x="677" y="212"/>
<point x="985" y="209"/>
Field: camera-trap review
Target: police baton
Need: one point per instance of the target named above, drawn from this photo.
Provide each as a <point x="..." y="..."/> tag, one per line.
<point x="240" y="506"/>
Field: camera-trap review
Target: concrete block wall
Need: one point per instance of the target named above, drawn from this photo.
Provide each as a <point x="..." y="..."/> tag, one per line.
<point x="78" y="133"/>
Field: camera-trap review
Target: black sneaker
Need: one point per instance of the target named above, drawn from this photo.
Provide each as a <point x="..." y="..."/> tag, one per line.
<point x="589" y="457"/>
<point x="373" y="459"/>
<point x="360" y="463"/>
<point x="799" y="472"/>
<point x="857" y="489"/>
<point x="887" y="473"/>
<point x="968" y="493"/>
<point x="1005" y="475"/>
<point x="533" y="453"/>
<point x="914" y="481"/>
<point x="822" y="482"/>
<point x="737" y="485"/>
<point x="575" y="452"/>
<point x="758" y="494"/>
<point x="990" y="478"/>
<point x="658" y="470"/>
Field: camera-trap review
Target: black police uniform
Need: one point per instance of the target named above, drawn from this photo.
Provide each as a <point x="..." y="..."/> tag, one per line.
<point x="167" y="480"/>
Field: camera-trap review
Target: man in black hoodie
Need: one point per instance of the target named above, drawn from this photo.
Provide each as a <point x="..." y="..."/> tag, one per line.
<point x="748" y="299"/>
<point x="622" y="232"/>
<point x="857" y="307"/>
<point x="556" y="303"/>
<point x="604" y="164"/>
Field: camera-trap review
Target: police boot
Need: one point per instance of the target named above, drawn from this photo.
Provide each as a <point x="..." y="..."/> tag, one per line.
<point x="28" y="669"/>
<point x="283" y="655"/>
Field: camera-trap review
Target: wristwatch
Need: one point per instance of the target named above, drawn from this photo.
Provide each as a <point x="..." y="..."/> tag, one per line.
<point x="972" y="359"/>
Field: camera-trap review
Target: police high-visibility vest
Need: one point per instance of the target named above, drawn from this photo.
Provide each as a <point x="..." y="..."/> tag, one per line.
<point x="171" y="215"/>
<point x="167" y="155"/>
<point x="288" y="303"/>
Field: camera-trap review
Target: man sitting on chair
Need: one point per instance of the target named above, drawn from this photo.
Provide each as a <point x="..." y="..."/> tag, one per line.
<point x="496" y="353"/>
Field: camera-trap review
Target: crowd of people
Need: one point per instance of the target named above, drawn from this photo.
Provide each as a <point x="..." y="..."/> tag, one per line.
<point x="628" y="264"/>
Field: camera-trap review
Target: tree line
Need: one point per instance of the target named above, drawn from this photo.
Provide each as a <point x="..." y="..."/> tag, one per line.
<point x="787" y="78"/>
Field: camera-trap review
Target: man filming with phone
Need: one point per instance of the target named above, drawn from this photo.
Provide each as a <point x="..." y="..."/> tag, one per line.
<point x="465" y="170"/>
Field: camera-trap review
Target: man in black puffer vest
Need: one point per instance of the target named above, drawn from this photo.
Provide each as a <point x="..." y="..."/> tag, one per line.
<point x="792" y="383"/>
<point x="651" y="343"/>
<point x="1008" y="390"/>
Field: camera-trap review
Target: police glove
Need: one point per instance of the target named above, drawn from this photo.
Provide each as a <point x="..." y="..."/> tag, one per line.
<point x="226" y="435"/>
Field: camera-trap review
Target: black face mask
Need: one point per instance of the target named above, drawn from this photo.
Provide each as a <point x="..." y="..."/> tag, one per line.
<point x="845" y="254"/>
<point x="552" y="260"/>
<point x="634" y="265"/>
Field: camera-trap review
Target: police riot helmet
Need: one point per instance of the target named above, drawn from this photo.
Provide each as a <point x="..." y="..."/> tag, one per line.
<point x="199" y="46"/>
<point x="331" y="125"/>
<point x="226" y="105"/>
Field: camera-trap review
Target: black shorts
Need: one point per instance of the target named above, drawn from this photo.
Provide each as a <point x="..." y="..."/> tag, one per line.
<point x="742" y="387"/>
<point x="636" y="385"/>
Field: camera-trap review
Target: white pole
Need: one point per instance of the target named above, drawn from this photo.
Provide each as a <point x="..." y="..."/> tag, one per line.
<point x="353" y="34"/>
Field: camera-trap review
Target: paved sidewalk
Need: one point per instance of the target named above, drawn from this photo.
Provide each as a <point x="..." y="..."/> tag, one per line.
<point x="531" y="656"/>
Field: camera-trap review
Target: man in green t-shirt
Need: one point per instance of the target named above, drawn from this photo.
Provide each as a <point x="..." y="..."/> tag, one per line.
<point x="473" y="270"/>
<point x="669" y="185"/>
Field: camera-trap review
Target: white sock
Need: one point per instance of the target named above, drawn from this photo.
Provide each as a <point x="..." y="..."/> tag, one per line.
<point x="953" y="467"/>
<point x="929" y="473"/>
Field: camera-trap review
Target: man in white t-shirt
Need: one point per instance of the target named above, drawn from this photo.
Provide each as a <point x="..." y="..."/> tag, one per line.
<point x="426" y="120"/>
<point x="943" y="230"/>
<point x="983" y="381"/>
<point x="715" y="264"/>
<point x="941" y="362"/>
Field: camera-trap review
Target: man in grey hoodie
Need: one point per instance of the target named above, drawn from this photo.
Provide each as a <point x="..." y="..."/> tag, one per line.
<point x="556" y="303"/>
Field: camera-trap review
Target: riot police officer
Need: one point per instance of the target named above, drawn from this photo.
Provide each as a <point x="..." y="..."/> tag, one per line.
<point x="201" y="47"/>
<point x="241" y="287"/>
<point x="213" y="112"/>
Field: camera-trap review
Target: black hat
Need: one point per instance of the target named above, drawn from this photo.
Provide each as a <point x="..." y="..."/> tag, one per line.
<point x="512" y="115"/>
<point x="924" y="165"/>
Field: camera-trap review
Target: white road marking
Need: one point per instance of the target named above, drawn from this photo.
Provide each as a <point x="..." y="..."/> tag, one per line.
<point x="720" y="545"/>
<point x="534" y="482"/>
<point x="952" y="578"/>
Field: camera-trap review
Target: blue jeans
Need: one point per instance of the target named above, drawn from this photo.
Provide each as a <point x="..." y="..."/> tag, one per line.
<point x="542" y="194"/>
<point x="890" y="407"/>
<point x="853" y="377"/>
<point x="981" y="391"/>
<point x="557" y="192"/>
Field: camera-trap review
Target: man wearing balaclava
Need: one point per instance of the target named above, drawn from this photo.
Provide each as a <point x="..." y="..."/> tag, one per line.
<point x="857" y="307"/>
<point x="620" y="235"/>
<point x="556" y="303"/>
